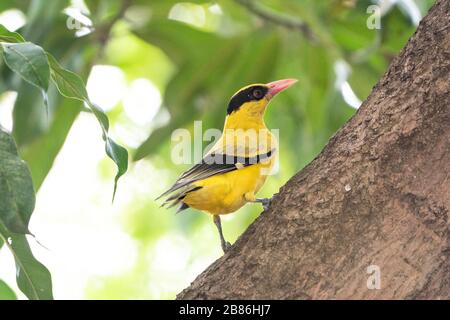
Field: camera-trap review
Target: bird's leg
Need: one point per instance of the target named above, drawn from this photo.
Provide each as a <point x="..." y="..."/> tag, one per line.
<point x="265" y="202"/>
<point x="225" y="244"/>
<point x="250" y="197"/>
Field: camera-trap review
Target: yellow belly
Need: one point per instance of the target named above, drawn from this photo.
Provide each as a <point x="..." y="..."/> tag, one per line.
<point x="224" y="193"/>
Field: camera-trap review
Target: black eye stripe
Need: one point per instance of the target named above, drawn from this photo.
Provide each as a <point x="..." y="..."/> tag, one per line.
<point x="246" y="95"/>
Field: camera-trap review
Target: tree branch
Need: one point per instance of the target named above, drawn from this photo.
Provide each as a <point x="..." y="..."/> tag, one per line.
<point x="278" y="19"/>
<point x="103" y="34"/>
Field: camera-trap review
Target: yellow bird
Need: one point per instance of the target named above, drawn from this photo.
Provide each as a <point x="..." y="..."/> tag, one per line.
<point x="236" y="167"/>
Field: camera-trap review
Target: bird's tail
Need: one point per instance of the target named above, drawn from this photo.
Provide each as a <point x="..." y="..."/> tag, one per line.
<point x="178" y="197"/>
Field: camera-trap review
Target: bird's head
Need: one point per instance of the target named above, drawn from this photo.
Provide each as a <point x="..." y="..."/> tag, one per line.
<point x="252" y="100"/>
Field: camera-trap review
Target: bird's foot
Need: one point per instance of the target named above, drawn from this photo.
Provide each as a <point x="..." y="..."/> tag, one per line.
<point x="265" y="202"/>
<point x="226" y="246"/>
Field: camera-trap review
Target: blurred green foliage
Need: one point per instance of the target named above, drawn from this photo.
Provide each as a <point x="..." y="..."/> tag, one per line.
<point x="17" y="202"/>
<point x="6" y="293"/>
<point x="198" y="53"/>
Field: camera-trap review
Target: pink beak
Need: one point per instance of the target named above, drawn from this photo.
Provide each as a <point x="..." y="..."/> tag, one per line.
<point x="278" y="86"/>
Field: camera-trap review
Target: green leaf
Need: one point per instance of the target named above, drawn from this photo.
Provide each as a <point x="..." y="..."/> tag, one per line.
<point x="71" y="86"/>
<point x="7" y="143"/>
<point x="17" y="197"/>
<point x="6" y="293"/>
<point x="8" y="36"/>
<point x="17" y="201"/>
<point x="32" y="277"/>
<point x="120" y="156"/>
<point x="29" y="61"/>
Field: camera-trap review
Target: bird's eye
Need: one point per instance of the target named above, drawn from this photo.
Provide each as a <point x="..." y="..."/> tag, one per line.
<point x="258" y="94"/>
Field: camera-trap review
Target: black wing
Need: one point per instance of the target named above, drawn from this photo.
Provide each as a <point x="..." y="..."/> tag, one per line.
<point x="211" y="165"/>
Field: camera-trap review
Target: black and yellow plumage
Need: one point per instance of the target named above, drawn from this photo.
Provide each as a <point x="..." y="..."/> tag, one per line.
<point x="236" y="167"/>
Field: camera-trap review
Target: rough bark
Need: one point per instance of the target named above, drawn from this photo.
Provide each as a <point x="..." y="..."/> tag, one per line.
<point x="378" y="194"/>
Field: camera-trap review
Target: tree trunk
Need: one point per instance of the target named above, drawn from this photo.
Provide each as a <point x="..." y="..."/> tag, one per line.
<point x="377" y="195"/>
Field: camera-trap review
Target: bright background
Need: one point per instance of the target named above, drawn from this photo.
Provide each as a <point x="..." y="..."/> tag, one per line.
<point x="155" y="66"/>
